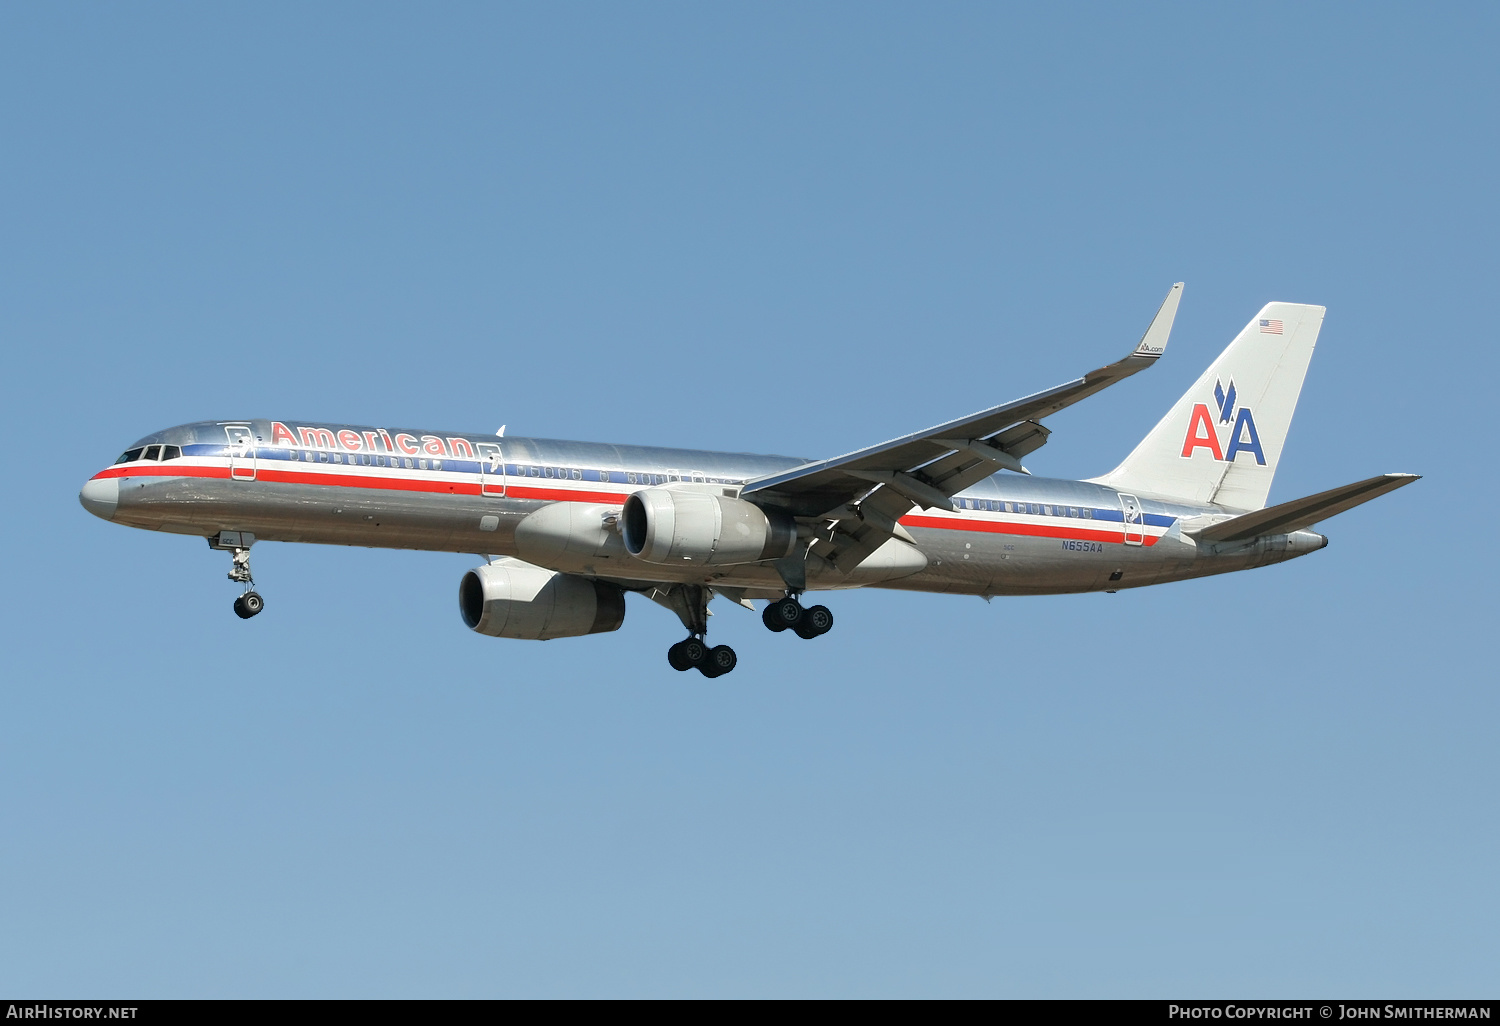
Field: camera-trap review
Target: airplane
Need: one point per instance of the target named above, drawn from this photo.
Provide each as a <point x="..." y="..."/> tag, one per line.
<point x="568" y="528"/>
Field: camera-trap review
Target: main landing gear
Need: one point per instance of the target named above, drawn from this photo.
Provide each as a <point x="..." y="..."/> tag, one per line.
<point x="693" y="652"/>
<point x="690" y="603"/>
<point x="789" y="614"/>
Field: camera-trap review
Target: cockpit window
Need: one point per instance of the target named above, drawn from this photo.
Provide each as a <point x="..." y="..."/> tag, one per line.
<point x="150" y="452"/>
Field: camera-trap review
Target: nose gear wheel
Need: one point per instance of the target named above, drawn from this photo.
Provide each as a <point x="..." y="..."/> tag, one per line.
<point x="248" y="604"/>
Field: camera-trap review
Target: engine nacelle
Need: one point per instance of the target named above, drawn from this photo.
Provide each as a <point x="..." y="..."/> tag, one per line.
<point x="669" y="525"/>
<point x="512" y="599"/>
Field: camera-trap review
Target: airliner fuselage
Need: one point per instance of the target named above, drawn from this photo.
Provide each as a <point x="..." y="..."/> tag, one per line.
<point x="569" y="528"/>
<point x="453" y="492"/>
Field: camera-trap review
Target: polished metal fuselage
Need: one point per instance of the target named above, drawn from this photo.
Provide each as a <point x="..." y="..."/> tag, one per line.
<point x="456" y="492"/>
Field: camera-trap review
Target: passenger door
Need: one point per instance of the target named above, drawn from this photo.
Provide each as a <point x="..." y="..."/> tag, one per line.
<point x="241" y="452"/>
<point x="491" y="469"/>
<point x="1135" y="521"/>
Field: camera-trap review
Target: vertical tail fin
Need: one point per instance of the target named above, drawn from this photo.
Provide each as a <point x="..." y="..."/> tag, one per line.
<point x="1221" y="441"/>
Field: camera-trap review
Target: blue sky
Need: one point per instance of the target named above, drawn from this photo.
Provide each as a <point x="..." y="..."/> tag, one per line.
<point x="779" y="228"/>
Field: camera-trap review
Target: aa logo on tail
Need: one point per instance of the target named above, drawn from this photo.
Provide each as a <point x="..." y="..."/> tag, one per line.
<point x="1203" y="433"/>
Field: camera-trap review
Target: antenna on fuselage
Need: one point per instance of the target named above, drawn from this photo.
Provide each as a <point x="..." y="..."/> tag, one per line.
<point x="501" y="432"/>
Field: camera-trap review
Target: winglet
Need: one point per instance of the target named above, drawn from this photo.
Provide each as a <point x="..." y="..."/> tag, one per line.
<point x="1154" y="342"/>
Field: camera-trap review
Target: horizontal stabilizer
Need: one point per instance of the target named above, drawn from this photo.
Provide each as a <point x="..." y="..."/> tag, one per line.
<point x="1300" y="513"/>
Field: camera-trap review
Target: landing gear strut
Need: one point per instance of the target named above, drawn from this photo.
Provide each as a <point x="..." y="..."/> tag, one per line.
<point x="690" y="603"/>
<point x="789" y="614"/>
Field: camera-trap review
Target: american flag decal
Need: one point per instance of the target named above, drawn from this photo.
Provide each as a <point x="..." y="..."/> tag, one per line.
<point x="1270" y="327"/>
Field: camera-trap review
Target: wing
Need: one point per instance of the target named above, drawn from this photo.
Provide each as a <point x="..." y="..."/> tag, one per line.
<point x="863" y="494"/>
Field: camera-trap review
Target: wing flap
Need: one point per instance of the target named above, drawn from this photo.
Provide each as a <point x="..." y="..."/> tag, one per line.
<point x="865" y="528"/>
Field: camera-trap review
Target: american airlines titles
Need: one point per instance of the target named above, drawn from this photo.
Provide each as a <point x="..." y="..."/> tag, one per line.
<point x="378" y="440"/>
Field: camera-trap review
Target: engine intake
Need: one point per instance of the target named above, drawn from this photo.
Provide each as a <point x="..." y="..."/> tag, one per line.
<point x="666" y="525"/>
<point x="512" y="599"/>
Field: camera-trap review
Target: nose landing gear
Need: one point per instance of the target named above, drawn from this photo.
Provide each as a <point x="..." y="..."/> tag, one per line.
<point x="250" y="603"/>
<point x="789" y="614"/>
<point x="238" y="544"/>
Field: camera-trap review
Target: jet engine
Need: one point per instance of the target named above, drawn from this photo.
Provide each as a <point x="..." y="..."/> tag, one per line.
<point x="668" y="525"/>
<point x="512" y="599"/>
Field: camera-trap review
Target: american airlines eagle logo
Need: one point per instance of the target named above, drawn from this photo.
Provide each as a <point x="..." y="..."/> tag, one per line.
<point x="1241" y="436"/>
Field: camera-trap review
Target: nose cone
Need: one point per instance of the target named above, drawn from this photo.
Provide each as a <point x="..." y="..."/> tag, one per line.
<point x="100" y="496"/>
